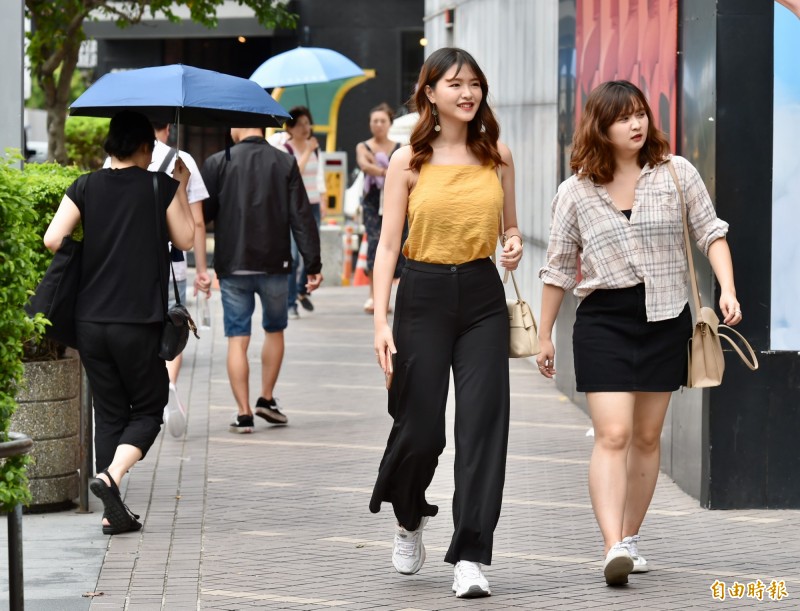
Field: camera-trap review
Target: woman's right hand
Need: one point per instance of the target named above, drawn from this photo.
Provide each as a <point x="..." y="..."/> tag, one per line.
<point x="384" y="347"/>
<point x="546" y="358"/>
<point x="313" y="144"/>
<point x="181" y="173"/>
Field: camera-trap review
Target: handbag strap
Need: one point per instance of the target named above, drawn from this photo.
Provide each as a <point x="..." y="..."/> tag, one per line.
<point x="156" y="192"/>
<point x="686" y="239"/>
<point x="751" y="362"/>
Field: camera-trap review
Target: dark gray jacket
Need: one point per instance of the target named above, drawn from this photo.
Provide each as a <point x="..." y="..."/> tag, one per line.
<point x="255" y="198"/>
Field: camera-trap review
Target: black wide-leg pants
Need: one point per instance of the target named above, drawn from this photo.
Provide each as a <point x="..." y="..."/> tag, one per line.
<point x="449" y="316"/>
<point x="130" y="385"/>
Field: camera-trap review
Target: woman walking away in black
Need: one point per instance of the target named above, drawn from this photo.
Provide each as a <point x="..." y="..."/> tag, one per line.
<point x="621" y="215"/>
<point x="120" y="307"/>
<point x="453" y="183"/>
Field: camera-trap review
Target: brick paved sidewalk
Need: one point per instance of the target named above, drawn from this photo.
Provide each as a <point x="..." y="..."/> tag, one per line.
<point x="279" y="519"/>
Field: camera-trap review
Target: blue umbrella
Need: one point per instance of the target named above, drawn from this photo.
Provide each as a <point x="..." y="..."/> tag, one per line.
<point x="178" y="93"/>
<point x="304" y="66"/>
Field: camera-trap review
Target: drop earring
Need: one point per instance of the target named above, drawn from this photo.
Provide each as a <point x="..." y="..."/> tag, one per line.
<point x="437" y="128"/>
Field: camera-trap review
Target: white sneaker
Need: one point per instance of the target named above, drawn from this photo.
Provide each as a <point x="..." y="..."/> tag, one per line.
<point x="468" y="580"/>
<point x="408" y="553"/>
<point x="175" y="413"/>
<point x="618" y="564"/>
<point x="639" y="562"/>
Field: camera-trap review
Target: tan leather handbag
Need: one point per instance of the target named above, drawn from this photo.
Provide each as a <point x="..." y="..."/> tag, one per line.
<point x="523" y="339"/>
<point x="706" y="361"/>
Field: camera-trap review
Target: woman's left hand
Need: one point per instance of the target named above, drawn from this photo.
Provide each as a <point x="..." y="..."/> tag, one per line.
<point x="512" y="252"/>
<point x="730" y="308"/>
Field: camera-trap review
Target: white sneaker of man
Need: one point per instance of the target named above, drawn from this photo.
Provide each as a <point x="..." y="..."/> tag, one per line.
<point x="639" y="562"/>
<point x="175" y="413"/>
<point x="408" y="552"/>
<point x="468" y="580"/>
<point x="618" y="564"/>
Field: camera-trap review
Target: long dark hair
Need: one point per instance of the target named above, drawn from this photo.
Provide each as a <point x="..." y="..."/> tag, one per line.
<point x="482" y="132"/>
<point x="592" y="151"/>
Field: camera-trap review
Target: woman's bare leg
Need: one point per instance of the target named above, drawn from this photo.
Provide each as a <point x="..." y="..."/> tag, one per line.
<point x="612" y="417"/>
<point x="644" y="457"/>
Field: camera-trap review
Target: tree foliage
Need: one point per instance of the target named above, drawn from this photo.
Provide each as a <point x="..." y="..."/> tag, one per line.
<point x="57" y="32"/>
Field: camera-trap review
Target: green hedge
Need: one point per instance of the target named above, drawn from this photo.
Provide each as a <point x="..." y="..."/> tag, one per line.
<point x="20" y="253"/>
<point x="84" y="140"/>
<point x="44" y="187"/>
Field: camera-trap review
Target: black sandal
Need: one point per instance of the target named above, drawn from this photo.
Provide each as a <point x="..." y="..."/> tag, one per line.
<point x="120" y="518"/>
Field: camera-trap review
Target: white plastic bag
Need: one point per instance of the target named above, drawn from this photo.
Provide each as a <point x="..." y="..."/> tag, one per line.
<point x="353" y="195"/>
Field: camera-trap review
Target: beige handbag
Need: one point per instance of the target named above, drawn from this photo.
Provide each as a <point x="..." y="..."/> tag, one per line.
<point x="706" y="361"/>
<point x="523" y="339"/>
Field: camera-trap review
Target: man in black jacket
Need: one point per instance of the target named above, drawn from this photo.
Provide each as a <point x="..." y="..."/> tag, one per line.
<point x="256" y="197"/>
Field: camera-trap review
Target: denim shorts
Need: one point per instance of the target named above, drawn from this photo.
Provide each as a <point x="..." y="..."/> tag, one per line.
<point x="171" y="292"/>
<point x="238" y="302"/>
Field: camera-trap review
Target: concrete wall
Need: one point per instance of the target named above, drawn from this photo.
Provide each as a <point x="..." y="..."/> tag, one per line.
<point x="11" y="76"/>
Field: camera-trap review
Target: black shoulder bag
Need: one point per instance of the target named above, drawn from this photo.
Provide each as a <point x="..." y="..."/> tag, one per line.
<point x="177" y="320"/>
<point x="57" y="293"/>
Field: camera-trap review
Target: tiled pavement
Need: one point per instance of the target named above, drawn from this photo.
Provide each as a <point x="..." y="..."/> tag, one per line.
<point x="279" y="520"/>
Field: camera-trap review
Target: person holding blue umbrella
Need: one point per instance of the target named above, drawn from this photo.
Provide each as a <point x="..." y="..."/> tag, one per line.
<point x="128" y="216"/>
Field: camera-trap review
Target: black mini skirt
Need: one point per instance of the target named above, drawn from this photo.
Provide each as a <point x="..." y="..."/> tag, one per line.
<point x="617" y="350"/>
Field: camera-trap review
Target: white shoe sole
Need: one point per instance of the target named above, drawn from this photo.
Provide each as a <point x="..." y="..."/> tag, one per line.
<point x="617" y="570"/>
<point x="472" y="592"/>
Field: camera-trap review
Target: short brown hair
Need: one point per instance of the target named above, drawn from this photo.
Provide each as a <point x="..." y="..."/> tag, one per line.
<point x="384" y="107"/>
<point x="592" y="152"/>
<point x="297" y="112"/>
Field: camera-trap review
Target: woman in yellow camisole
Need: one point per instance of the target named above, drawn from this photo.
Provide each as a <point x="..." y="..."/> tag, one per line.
<point x="450" y="312"/>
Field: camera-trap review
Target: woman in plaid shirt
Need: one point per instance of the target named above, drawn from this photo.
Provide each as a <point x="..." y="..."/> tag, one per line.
<point x="620" y="213"/>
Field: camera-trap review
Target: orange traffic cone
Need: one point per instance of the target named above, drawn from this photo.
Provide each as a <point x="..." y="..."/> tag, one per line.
<point x="360" y="278"/>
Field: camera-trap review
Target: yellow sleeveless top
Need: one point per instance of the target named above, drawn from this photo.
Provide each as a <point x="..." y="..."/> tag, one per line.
<point x="454" y="214"/>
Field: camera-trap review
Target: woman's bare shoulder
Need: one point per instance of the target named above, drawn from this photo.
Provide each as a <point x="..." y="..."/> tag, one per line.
<point x="402" y="156"/>
<point x="505" y="152"/>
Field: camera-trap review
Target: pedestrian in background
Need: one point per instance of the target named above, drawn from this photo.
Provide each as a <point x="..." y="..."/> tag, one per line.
<point x="620" y="213"/>
<point x="256" y="197"/>
<point x="372" y="156"/>
<point x="453" y="183"/>
<point x="163" y="160"/>
<point x="304" y="146"/>
<point x="120" y="305"/>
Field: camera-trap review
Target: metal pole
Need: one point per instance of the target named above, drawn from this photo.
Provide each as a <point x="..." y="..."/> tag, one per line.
<point x="17" y="444"/>
<point x="16" y="593"/>
<point x="87" y="454"/>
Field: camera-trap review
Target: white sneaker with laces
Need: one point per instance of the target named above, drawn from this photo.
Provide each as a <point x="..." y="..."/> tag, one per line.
<point x="408" y="553"/>
<point x="175" y="413"/>
<point x="618" y="564"/>
<point x="469" y="581"/>
<point x="639" y="562"/>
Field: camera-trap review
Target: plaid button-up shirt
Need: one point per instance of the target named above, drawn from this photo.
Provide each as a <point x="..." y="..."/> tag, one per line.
<point x="616" y="252"/>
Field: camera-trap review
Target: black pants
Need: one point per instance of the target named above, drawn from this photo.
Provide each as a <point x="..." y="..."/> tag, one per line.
<point x="449" y="316"/>
<point x="130" y="385"/>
